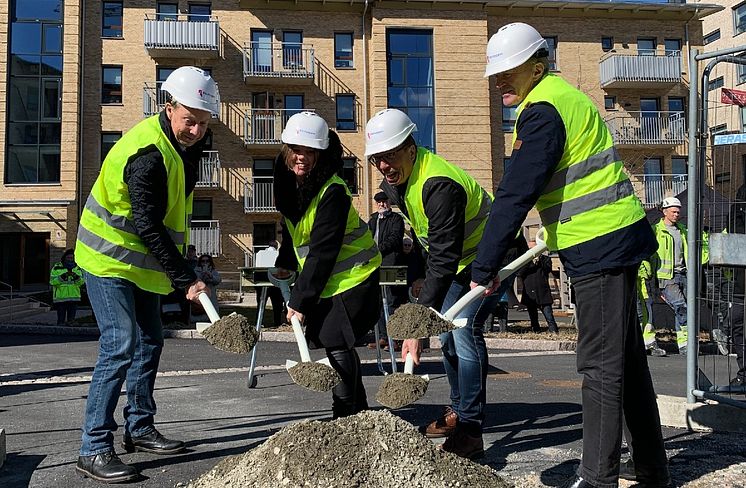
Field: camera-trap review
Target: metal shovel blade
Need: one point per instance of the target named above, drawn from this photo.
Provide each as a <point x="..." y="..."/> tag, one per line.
<point x="316" y="376"/>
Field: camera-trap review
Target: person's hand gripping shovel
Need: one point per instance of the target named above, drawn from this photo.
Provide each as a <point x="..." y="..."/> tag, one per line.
<point x="232" y="333"/>
<point x="317" y="376"/>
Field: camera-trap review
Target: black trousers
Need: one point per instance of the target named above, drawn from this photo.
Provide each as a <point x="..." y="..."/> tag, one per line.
<point x="348" y="397"/>
<point x="616" y="379"/>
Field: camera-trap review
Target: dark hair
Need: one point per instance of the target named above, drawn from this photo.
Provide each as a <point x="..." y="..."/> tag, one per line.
<point x="208" y="258"/>
<point x="68" y="252"/>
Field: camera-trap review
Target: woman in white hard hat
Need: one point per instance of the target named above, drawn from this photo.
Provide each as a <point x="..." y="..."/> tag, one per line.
<point x="131" y="245"/>
<point x="336" y="294"/>
<point x="565" y="163"/>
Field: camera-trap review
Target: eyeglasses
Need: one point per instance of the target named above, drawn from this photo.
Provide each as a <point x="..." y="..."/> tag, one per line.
<point x="388" y="156"/>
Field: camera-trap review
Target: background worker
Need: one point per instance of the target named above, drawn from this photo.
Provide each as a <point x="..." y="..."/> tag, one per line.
<point x="669" y="263"/>
<point x="210" y="276"/>
<point x="536" y="292"/>
<point x="447" y="210"/>
<point x="266" y="258"/>
<point x="336" y="294"/>
<point x="387" y="228"/>
<point x="131" y="248"/>
<point x="645" y="295"/>
<point x="66" y="279"/>
<point x="565" y="163"/>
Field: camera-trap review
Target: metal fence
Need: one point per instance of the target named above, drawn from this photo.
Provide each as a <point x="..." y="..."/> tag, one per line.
<point x="186" y="32"/>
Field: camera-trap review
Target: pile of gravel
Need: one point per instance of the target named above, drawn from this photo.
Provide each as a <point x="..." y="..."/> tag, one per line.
<point x="368" y="450"/>
<point x="314" y="376"/>
<point x="399" y="390"/>
<point x="413" y="321"/>
<point x="232" y="333"/>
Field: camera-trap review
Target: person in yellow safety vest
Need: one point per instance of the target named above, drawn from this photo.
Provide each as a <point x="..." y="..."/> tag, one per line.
<point x="564" y="162"/>
<point x="66" y="279"/>
<point x="645" y="284"/>
<point x="447" y="210"/>
<point x="337" y="293"/>
<point x="669" y="263"/>
<point x="131" y="242"/>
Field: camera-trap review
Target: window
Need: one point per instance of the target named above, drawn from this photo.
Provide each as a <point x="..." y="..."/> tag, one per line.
<point x="108" y="139"/>
<point x="202" y="209"/>
<point x="739" y="19"/>
<point x="293" y="105"/>
<point x="34" y="98"/>
<point x="349" y="174"/>
<point x="653" y="180"/>
<point x="740" y="74"/>
<point x="199" y="12"/>
<point x="552" y="42"/>
<point x="111" y="84"/>
<point x="718" y="129"/>
<point x="676" y="104"/>
<point x="111" y="25"/>
<point x="161" y="73"/>
<point x="261" y="51"/>
<point x="263" y="233"/>
<point x="292" y="53"/>
<point x="742" y="111"/>
<point x="607" y="44"/>
<point x="712" y="37"/>
<point x="679" y="165"/>
<point x="715" y="84"/>
<point x="646" y="46"/>
<point x="610" y="103"/>
<point x="409" y="63"/>
<point x="672" y="47"/>
<point x="167" y="11"/>
<point x="722" y="177"/>
<point x="346" y="112"/>
<point x="509" y="118"/>
<point x="343" y="50"/>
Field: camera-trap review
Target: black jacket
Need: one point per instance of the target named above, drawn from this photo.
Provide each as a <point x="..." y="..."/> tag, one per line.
<point x="390" y="235"/>
<point x="146" y="179"/>
<point x="535" y="276"/>
<point x="340" y="320"/>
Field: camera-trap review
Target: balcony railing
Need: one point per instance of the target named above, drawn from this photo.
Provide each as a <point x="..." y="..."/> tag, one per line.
<point x="653" y="188"/>
<point x="209" y="170"/>
<point x="258" y="196"/>
<point x="278" y="60"/>
<point x="638" y="70"/>
<point x="647" y="128"/>
<point x="205" y="235"/>
<point x="177" y="35"/>
<point x="263" y="126"/>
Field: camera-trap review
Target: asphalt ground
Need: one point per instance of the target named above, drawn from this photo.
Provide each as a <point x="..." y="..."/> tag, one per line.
<point x="532" y="427"/>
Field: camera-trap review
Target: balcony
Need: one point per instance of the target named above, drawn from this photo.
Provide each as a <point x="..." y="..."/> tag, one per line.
<point x="258" y="196"/>
<point x="278" y="63"/>
<point x="209" y="170"/>
<point x="640" y="70"/>
<point x="180" y="36"/>
<point x="653" y="188"/>
<point x="263" y="126"/>
<point x="647" y="128"/>
<point x="205" y="235"/>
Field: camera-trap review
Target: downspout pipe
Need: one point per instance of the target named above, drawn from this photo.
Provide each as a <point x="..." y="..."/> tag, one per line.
<point x="366" y="167"/>
<point x="81" y="112"/>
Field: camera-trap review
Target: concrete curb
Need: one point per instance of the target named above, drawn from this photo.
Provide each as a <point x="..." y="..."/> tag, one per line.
<point x="707" y="416"/>
<point x="3" y="448"/>
<point x="268" y="336"/>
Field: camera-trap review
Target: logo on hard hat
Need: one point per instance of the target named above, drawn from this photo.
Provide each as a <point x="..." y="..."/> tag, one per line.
<point x="371" y="134"/>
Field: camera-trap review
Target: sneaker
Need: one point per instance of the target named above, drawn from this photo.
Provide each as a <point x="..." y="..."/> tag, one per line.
<point x="464" y="445"/>
<point x="721" y="339"/>
<point x="656" y="351"/>
<point x="682" y="350"/>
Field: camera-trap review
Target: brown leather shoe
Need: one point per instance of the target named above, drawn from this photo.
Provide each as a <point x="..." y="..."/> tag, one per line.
<point x="464" y="445"/>
<point x="443" y="426"/>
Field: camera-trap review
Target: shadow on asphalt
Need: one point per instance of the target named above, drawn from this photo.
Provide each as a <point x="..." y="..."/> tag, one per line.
<point x="12" y="340"/>
<point x="18" y="468"/>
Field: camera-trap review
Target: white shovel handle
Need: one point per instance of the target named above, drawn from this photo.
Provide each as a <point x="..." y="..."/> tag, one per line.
<point x="204" y="299"/>
<point x="409" y="364"/>
<point x="300" y="338"/>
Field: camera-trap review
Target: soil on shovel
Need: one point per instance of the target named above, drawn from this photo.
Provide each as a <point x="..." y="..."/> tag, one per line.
<point x="399" y="390"/>
<point x="367" y="450"/>
<point x="314" y="376"/>
<point x="232" y="333"/>
<point x="412" y="321"/>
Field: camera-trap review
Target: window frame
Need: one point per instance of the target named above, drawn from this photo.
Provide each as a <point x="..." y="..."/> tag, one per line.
<point x="609" y="48"/>
<point x="166" y="16"/>
<point x="508" y="123"/>
<point x="735" y="9"/>
<point x="112" y="26"/>
<point x="197" y="201"/>
<point x="611" y="98"/>
<point x="341" y="121"/>
<point x="647" y="51"/>
<point x="552" y="57"/>
<point x="715" y="83"/>
<point x="288" y="47"/>
<point x="349" y="173"/>
<point x="105" y="67"/>
<point x="103" y="144"/>
<point x="337" y="62"/>
<point x="202" y="17"/>
<point x="711" y="37"/>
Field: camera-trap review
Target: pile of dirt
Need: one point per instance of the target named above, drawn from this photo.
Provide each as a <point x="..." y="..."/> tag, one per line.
<point x="413" y="321"/>
<point x="232" y="333"/>
<point x="399" y="390"/>
<point x="368" y="450"/>
<point x="314" y="376"/>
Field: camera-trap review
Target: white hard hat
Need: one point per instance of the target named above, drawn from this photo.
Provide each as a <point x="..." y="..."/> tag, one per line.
<point x="306" y="129"/>
<point x="386" y="130"/>
<point x="670" y="202"/>
<point x="511" y="46"/>
<point x="193" y="88"/>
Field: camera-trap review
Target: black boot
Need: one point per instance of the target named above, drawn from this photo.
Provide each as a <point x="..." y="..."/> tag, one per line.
<point x="106" y="467"/>
<point x="348" y="397"/>
<point x="153" y="442"/>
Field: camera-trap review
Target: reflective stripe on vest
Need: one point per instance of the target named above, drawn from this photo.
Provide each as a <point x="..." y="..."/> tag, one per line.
<point x="358" y="256"/>
<point x="108" y="244"/>
<point x="478" y="202"/>
<point x="588" y="195"/>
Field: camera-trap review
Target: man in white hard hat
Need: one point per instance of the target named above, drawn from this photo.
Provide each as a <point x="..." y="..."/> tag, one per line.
<point x="669" y="263"/>
<point x="564" y="163"/>
<point x="447" y="210"/>
<point x="131" y="242"/>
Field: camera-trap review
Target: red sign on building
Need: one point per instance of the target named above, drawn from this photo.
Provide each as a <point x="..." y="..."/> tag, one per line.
<point x="733" y="97"/>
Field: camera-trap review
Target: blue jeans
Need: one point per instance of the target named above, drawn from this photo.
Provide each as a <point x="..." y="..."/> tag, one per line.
<point x="465" y="358"/>
<point x="129" y="349"/>
<point x="674" y="292"/>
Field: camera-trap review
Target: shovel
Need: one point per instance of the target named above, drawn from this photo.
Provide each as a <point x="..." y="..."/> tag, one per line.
<point x="431" y="322"/>
<point x="401" y="389"/>
<point x="317" y="376"/>
<point x="242" y="337"/>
